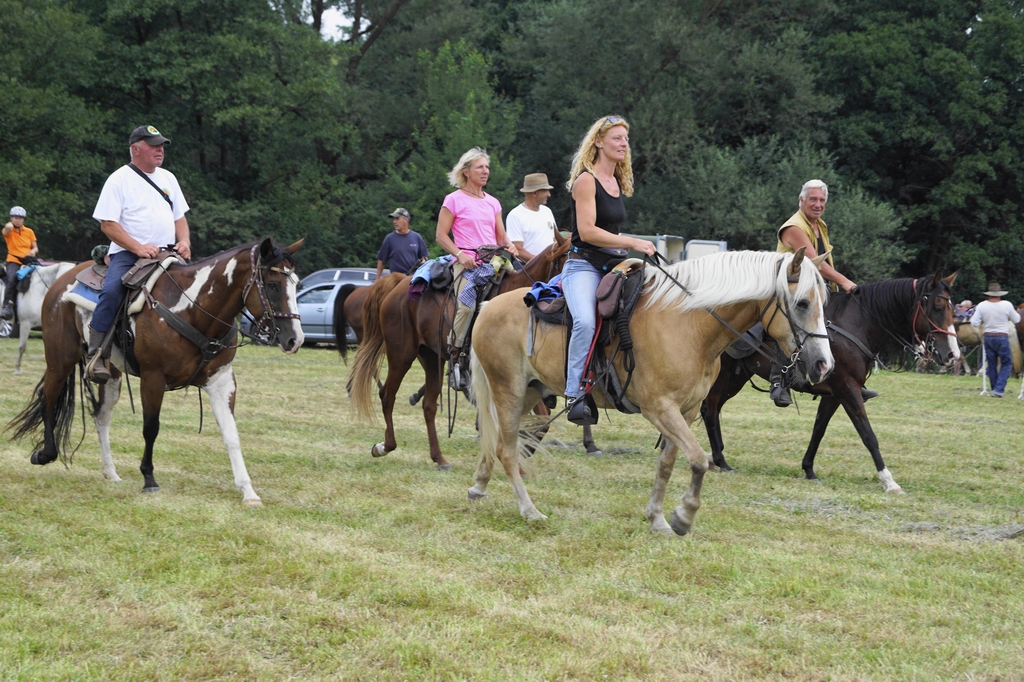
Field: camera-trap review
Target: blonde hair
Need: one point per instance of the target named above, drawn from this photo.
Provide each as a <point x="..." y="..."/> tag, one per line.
<point x="584" y="158"/>
<point x="455" y="176"/>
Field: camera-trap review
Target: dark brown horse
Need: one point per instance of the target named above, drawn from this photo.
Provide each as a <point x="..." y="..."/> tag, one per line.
<point x="877" y="319"/>
<point x="405" y="330"/>
<point x="207" y="296"/>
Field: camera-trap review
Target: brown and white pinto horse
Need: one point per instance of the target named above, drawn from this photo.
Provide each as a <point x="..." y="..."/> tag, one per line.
<point x="676" y="345"/>
<point x="207" y="295"/>
<point x="406" y="330"/>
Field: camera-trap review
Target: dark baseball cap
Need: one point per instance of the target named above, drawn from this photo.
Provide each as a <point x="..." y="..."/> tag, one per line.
<point x="400" y="212"/>
<point x="149" y="135"/>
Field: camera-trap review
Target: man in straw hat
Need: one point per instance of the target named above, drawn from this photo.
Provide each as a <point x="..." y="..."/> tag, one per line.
<point x="531" y="224"/>
<point x="997" y="317"/>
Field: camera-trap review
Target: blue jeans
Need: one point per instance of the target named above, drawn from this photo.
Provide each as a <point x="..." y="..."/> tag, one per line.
<point x="113" y="291"/>
<point x="997" y="348"/>
<point x="579" y="284"/>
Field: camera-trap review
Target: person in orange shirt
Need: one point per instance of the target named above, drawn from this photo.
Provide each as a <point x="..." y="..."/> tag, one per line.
<point x="21" y="243"/>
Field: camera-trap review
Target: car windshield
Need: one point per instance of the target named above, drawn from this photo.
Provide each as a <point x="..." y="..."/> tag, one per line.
<point x="318" y="295"/>
<point x="344" y="275"/>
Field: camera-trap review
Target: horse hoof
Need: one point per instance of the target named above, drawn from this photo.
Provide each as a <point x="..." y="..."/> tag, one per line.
<point x="112" y="478"/>
<point x="595" y="453"/>
<point x="151" y="489"/>
<point x="378" y="450"/>
<point x="678" y="525"/>
<point x="536" y="516"/>
<point x="413" y="399"/>
<point x="474" y="495"/>
<point x="17" y="372"/>
<point x="444" y="467"/>
<point x="38" y="459"/>
<point x="257" y="502"/>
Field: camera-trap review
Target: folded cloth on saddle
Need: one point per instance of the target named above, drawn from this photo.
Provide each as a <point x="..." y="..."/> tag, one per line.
<point x="544" y="291"/>
<point x="26" y="270"/>
<point x="479" y="276"/>
<point x="421" y="277"/>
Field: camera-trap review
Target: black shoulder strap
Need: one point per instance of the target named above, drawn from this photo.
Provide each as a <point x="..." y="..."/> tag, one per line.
<point x="152" y="184"/>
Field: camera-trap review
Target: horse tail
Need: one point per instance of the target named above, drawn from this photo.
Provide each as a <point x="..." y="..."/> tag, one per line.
<point x="486" y="410"/>
<point x="340" y="323"/>
<point x="370" y="355"/>
<point x="33" y="416"/>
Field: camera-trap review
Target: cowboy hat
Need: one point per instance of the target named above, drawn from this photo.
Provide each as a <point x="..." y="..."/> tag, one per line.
<point x="534" y="182"/>
<point x="995" y="290"/>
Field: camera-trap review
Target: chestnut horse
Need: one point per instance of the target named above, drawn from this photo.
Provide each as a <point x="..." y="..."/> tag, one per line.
<point x="882" y="318"/>
<point x="207" y="296"/>
<point x="676" y="345"/>
<point x="405" y="330"/>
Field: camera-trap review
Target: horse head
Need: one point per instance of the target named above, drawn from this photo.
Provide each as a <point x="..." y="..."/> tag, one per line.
<point x="797" y="321"/>
<point x="270" y="293"/>
<point x="932" y="318"/>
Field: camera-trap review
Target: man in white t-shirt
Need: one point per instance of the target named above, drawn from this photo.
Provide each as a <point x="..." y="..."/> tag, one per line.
<point x="142" y="210"/>
<point x="531" y="224"/>
<point x="998" y="317"/>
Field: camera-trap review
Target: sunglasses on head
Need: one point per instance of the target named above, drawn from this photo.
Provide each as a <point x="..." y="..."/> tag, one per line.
<point x="612" y="120"/>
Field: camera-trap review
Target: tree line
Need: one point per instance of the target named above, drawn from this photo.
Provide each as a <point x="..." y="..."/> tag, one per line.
<point x="910" y="110"/>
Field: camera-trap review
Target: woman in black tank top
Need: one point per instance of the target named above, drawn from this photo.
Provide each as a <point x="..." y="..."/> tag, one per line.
<point x="601" y="175"/>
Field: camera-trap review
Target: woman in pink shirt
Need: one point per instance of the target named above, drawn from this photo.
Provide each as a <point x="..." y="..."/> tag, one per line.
<point x="469" y="218"/>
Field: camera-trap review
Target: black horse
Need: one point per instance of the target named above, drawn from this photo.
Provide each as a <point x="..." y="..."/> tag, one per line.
<point x="874" y="321"/>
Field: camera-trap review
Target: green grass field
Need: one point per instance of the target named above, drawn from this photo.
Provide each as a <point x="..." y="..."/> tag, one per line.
<point x="381" y="569"/>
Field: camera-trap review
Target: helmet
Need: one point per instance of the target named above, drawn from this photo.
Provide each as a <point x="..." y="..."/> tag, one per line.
<point x="18" y="211"/>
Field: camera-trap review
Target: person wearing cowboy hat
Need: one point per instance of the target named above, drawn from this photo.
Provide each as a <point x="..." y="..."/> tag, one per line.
<point x="531" y="224"/>
<point x="997" y="317"/>
<point x="402" y="250"/>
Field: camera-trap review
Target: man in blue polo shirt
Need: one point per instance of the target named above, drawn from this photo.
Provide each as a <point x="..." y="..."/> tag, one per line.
<point x="402" y="250"/>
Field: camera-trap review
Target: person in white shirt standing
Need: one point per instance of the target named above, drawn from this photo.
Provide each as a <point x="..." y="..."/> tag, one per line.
<point x="142" y="210"/>
<point x="531" y="224"/>
<point x="998" y="317"/>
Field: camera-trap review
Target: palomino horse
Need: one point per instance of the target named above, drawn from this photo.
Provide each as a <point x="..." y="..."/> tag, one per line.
<point x="207" y="296"/>
<point x="676" y="345"/>
<point x="879" y="319"/>
<point x="969" y="338"/>
<point x="404" y="330"/>
<point x="30" y="303"/>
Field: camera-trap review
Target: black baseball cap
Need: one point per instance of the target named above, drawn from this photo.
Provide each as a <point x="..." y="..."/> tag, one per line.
<point x="149" y="135"/>
<point x="400" y="212"/>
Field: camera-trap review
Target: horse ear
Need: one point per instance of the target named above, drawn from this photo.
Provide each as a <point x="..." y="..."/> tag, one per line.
<point x="798" y="258"/>
<point x="949" y="280"/>
<point x="295" y="247"/>
<point x="559" y="239"/>
<point x="267" y="248"/>
<point x="818" y="260"/>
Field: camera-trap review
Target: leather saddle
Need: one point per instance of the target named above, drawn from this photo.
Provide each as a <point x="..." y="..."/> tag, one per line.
<point x="145" y="273"/>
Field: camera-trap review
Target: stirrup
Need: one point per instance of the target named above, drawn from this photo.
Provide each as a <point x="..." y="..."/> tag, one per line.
<point x="580" y="412"/>
<point x="96" y="368"/>
<point x="781" y="396"/>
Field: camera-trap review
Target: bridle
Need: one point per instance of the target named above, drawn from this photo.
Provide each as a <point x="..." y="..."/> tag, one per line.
<point x="929" y="340"/>
<point x="761" y="347"/>
<point x="266" y="325"/>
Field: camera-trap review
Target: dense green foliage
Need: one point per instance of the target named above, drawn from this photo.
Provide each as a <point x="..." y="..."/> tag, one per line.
<point x="913" y="113"/>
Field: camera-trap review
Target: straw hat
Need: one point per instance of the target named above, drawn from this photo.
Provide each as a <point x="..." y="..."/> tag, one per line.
<point x="534" y="182"/>
<point x="995" y="290"/>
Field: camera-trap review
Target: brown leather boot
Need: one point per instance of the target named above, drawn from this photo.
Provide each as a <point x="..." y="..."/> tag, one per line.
<point x="97" y="369"/>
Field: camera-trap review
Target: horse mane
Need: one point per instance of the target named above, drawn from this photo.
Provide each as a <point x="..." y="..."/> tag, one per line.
<point x="726" y="277"/>
<point x="280" y="254"/>
<point x="886" y="304"/>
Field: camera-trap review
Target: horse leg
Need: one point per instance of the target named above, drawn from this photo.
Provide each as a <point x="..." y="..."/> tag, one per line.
<point x="678" y="436"/>
<point x="221" y="388"/>
<point x="397" y="369"/>
<point x="732" y="377"/>
<point x="854" y="406"/>
<point x="431" y="391"/>
<point x="152" y="389"/>
<point x="53" y="405"/>
<point x="588" y="442"/>
<point x="22" y="345"/>
<point x="108" y="394"/>
<point x="827" y="407"/>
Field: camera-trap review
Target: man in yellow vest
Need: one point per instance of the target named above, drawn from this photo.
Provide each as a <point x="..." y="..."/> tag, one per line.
<point x="806" y="228"/>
